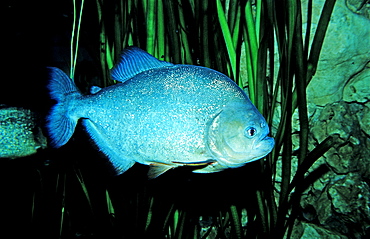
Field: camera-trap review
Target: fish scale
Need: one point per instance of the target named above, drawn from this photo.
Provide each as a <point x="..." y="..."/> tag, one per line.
<point x="162" y="115"/>
<point x="178" y="124"/>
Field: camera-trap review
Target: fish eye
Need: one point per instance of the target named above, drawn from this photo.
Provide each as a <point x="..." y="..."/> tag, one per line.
<point x="250" y="132"/>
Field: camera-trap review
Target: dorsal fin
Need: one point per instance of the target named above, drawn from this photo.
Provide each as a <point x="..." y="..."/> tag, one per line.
<point x="133" y="61"/>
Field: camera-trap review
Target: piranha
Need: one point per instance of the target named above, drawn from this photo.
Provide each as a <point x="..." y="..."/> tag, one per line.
<point x="163" y="115"/>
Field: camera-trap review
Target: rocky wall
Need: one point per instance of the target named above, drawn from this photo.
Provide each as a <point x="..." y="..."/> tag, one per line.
<point x="337" y="205"/>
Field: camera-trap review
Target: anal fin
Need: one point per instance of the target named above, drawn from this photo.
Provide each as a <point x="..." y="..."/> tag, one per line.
<point x="157" y="169"/>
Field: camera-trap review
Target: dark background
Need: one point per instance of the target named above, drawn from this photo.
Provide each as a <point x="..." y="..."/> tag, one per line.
<point x="35" y="189"/>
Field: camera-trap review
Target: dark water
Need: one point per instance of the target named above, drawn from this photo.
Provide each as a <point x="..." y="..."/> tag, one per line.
<point x="34" y="190"/>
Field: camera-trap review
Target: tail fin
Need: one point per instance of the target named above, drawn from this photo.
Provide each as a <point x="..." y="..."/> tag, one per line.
<point x="60" y="123"/>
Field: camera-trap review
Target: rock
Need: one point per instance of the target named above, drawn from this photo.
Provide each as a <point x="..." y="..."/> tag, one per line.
<point x="340" y="199"/>
<point x="342" y="207"/>
<point x="358" y="88"/>
<point x="345" y="52"/>
<point x="319" y="185"/>
<point x="309" y="231"/>
<point x="361" y="7"/>
<point x="364" y="120"/>
<point x="342" y="118"/>
<point x="336" y="118"/>
<point x="19" y="133"/>
<point x="350" y="200"/>
<point x="350" y="196"/>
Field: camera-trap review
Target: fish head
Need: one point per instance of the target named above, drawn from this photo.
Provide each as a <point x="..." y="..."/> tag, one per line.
<point x="238" y="135"/>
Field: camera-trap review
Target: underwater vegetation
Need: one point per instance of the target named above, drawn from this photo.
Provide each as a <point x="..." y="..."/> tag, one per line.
<point x="71" y="192"/>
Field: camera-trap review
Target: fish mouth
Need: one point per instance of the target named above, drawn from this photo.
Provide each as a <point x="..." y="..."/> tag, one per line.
<point x="234" y="159"/>
<point x="263" y="147"/>
<point x="266" y="144"/>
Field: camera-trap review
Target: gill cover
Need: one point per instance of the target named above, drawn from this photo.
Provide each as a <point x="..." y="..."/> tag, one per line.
<point x="237" y="135"/>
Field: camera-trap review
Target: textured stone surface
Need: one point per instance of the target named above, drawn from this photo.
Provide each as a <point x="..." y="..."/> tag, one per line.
<point x="336" y="118"/>
<point x="350" y="198"/>
<point x="358" y="88"/>
<point x="361" y="7"/>
<point x="364" y="119"/>
<point x="19" y="134"/>
<point x="342" y="207"/>
<point x="340" y="200"/>
<point x="344" y="54"/>
<point x="350" y="201"/>
<point x="305" y="230"/>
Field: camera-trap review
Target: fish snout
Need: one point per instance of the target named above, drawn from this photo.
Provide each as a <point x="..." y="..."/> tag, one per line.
<point x="266" y="144"/>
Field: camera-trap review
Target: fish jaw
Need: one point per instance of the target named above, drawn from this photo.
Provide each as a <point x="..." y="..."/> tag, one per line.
<point x="265" y="145"/>
<point x="235" y="159"/>
<point x="227" y="140"/>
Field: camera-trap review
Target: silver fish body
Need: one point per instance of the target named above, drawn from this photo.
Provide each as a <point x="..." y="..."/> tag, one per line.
<point x="163" y="115"/>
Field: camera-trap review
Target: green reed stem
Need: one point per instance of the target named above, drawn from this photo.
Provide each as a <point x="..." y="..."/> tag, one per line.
<point x="227" y="37"/>
<point x="300" y="81"/>
<point x="102" y="42"/>
<point x="151" y="10"/>
<point x="75" y="41"/>
<point x="251" y="40"/>
<point x="83" y="186"/>
<point x="161" y="39"/>
<point x="185" y="49"/>
<point x="236" y="221"/>
<point x="108" y="55"/>
<point x="110" y="206"/>
<point x="149" y="214"/>
<point x="204" y="34"/>
<point x="236" y="28"/>
<point x="318" y="39"/>
<point x="172" y="30"/>
<point x="248" y="54"/>
<point x="63" y="203"/>
<point x="262" y="211"/>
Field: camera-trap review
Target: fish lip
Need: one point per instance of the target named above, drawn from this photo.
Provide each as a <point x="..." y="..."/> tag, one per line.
<point x="266" y="138"/>
<point x="265" y="146"/>
<point x="265" y="142"/>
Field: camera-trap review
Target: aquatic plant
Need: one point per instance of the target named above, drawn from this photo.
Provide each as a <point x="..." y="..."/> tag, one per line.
<point x="215" y="34"/>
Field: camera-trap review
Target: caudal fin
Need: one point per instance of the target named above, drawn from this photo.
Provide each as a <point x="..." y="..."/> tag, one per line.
<point x="61" y="123"/>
